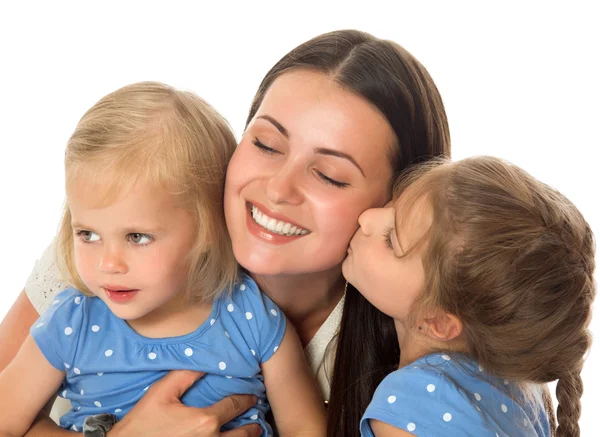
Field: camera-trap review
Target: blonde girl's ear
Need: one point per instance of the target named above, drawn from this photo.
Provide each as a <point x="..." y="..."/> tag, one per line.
<point x="441" y="326"/>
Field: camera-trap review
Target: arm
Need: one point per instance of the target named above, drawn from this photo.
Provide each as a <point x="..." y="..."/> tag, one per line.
<point x="382" y="429"/>
<point x="292" y="392"/>
<point x="160" y="413"/>
<point x="14" y="329"/>
<point x="26" y="385"/>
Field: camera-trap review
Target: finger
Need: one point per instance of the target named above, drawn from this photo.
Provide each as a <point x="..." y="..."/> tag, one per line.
<point x="253" y="430"/>
<point x="231" y="407"/>
<point x="176" y="382"/>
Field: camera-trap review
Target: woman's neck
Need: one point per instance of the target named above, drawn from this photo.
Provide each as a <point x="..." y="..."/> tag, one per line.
<point x="307" y="300"/>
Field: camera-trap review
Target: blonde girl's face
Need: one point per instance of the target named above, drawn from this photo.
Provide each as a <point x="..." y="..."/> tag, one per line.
<point x="378" y="264"/>
<point x="131" y="252"/>
<point x="314" y="157"/>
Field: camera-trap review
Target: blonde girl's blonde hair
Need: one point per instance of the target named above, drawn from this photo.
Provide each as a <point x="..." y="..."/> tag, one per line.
<point x="152" y="133"/>
<point x="513" y="259"/>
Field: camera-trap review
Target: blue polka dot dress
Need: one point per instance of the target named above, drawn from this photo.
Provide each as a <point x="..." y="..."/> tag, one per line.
<point x="109" y="366"/>
<point x="439" y="395"/>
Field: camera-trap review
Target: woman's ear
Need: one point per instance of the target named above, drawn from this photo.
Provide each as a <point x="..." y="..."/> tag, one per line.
<point x="442" y="326"/>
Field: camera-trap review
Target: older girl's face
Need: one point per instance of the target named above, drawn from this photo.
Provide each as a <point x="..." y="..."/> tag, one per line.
<point x="314" y="157"/>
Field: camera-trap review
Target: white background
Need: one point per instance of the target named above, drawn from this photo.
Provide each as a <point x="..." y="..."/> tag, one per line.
<point x="519" y="80"/>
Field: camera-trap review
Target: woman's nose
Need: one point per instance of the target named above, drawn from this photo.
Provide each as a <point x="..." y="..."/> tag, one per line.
<point x="283" y="186"/>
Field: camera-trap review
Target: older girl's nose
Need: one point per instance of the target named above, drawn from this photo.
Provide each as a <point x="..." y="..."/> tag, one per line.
<point x="375" y="219"/>
<point x="366" y="220"/>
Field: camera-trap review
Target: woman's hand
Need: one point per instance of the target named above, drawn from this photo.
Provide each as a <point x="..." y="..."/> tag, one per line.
<point x="160" y="412"/>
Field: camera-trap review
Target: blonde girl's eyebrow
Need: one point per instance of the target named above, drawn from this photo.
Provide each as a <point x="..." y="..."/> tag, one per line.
<point x="126" y="230"/>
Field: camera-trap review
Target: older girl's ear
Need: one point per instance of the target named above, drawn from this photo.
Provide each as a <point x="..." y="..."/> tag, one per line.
<point x="443" y="326"/>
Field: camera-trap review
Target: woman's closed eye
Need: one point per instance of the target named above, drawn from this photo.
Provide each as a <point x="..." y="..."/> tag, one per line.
<point x="330" y="181"/>
<point x="264" y="148"/>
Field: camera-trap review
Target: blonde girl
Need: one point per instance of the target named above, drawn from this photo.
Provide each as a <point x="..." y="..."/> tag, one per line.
<point x="155" y="285"/>
<point x="488" y="275"/>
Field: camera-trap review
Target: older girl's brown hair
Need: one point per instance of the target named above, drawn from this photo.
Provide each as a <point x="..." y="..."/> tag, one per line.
<point x="513" y="259"/>
<point x="149" y="132"/>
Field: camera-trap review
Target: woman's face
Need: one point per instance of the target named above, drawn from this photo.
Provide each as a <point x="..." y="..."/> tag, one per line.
<point x="314" y="157"/>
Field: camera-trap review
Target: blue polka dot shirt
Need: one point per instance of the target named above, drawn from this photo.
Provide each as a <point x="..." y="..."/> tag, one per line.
<point x="109" y="366"/>
<point x="439" y="395"/>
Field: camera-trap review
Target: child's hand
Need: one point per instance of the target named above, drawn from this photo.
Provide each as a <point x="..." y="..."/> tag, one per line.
<point x="160" y="412"/>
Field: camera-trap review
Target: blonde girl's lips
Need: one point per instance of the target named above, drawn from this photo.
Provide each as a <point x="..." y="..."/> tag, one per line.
<point x="120" y="296"/>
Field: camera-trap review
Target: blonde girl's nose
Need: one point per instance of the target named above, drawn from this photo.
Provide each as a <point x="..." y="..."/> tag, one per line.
<point x="112" y="261"/>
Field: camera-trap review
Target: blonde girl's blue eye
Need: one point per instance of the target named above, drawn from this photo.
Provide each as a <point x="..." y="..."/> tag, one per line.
<point x="88" y="236"/>
<point x="388" y="237"/>
<point x="140" y="239"/>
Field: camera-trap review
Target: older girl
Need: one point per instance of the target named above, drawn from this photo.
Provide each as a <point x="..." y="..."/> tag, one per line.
<point x="488" y="275"/>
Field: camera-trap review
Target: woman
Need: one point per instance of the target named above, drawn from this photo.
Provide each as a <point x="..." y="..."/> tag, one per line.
<point x="363" y="110"/>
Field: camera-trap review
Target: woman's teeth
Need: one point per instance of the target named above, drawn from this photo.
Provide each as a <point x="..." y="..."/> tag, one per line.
<point x="276" y="226"/>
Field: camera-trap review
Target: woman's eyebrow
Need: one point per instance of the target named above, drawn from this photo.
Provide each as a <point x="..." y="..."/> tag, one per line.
<point x="275" y="123"/>
<point x="338" y="154"/>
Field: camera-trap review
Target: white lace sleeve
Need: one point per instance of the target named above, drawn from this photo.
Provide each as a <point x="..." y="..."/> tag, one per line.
<point x="45" y="281"/>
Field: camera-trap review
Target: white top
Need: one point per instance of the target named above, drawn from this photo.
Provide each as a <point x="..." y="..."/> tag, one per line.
<point x="45" y="282"/>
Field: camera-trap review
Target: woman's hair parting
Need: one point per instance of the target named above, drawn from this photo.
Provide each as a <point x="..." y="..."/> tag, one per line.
<point x="513" y="259"/>
<point x="152" y="133"/>
<point x="394" y="82"/>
